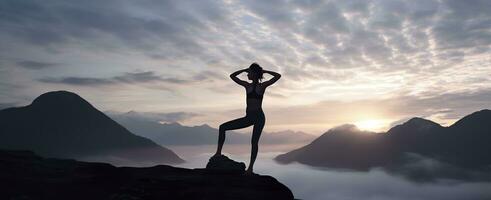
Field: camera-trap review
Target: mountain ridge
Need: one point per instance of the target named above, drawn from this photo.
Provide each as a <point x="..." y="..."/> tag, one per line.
<point x="174" y="133"/>
<point x="464" y="144"/>
<point x="63" y="124"/>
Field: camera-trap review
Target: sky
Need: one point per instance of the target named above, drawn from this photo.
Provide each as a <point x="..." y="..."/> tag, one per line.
<point x="373" y="63"/>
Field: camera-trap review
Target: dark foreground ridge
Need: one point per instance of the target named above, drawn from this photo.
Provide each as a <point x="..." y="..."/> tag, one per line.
<point x="25" y="175"/>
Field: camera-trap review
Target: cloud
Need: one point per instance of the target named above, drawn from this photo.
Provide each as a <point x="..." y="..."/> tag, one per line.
<point x="145" y="77"/>
<point x="373" y="36"/>
<point x="464" y="25"/>
<point x="368" y="33"/>
<point x="81" y="81"/>
<point x="35" y="65"/>
<point x="145" y="26"/>
<point x="420" y="169"/>
<point x="318" y="184"/>
<point x="126" y="78"/>
<point x="456" y="104"/>
<point x="132" y="77"/>
<point x="347" y="33"/>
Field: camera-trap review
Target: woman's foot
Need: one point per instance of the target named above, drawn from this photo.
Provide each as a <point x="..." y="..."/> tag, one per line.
<point x="216" y="154"/>
<point x="249" y="172"/>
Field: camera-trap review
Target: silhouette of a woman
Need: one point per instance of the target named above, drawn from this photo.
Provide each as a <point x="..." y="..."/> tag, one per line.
<point x="254" y="112"/>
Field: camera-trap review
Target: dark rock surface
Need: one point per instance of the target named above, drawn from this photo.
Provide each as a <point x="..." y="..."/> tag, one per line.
<point x="25" y="175"/>
<point x="223" y="164"/>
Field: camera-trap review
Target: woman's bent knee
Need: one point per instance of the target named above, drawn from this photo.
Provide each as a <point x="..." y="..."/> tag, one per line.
<point x="221" y="128"/>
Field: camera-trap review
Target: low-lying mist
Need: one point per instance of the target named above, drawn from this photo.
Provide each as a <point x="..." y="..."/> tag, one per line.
<point x="418" y="180"/>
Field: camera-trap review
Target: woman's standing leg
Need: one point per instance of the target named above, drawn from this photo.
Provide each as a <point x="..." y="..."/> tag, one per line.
<point x="231" y="125"/>
<point x="256" y="134"/>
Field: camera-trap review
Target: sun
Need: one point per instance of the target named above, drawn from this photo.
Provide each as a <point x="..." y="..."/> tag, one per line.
<point x="371" y="124"/>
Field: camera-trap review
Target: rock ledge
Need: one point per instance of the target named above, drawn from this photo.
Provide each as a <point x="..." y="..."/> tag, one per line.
<point x="25" y="175"/>
<point x="225" y="165"/>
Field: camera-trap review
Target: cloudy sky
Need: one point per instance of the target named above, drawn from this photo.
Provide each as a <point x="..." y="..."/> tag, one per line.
<point x="372" y="63"/>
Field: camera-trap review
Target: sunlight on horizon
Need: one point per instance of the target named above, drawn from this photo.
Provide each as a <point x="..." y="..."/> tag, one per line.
<point x="375" y="125"/>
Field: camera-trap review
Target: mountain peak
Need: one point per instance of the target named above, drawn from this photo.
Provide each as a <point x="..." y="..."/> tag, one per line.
<point x="131" y="112"/>
<point x="414" y="125"/>
<point x="204" y="126"/>
<point x="59" y="98"/>
<point x="482" y="117"/>
<point x="346" y="128"/>
<point x="171" y="124"/>
<point x="419" y="123"/>
<point x="52" y="94"/>
<point x="481" y="113"/>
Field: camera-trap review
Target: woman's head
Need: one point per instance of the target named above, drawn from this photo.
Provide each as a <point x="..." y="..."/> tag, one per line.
<point x="255" y="72"/>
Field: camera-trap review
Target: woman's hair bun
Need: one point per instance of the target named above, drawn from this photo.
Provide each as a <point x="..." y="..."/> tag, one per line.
<point x="257" y="69"/>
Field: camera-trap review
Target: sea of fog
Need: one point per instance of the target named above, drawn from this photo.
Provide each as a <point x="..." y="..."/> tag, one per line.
<point x="310" y="183"/>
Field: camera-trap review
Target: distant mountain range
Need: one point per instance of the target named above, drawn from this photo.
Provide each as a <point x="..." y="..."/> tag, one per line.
<point x="465" y="144"/>
<point x="62" y="124"/>
<point x="177" y="134"/>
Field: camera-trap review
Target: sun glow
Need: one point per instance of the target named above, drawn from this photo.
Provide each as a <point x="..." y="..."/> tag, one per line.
<point x="371" y="125"/>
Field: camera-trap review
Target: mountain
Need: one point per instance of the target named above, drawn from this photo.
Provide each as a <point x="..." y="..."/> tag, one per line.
<point x="174" y="133"/>
<point x="341" y="147"/>
<point x="25" y="175"/>
<point x="464" y="144"/>
<point x="467" y="141"/>
<point x="62" y="124"/>
<point x="177" y="134"/>
<point x="409" y="136"/>
<point x="286" y="137"/>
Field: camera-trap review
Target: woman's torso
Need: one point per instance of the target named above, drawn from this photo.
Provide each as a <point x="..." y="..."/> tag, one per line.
<point x="254" y="97"/>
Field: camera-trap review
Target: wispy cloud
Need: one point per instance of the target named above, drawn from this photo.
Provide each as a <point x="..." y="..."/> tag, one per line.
<point x="126" y="78"/>
<point x="35" y="65"/>
<point x="82" y="81"/>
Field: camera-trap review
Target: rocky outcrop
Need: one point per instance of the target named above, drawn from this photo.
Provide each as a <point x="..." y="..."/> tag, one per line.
<point x="25" y="175"/>
<point x="223" y="164"/>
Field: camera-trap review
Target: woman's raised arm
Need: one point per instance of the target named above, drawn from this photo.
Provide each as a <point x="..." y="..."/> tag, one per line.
<point x="233" y="76"/>
<point x="276" y="77"/>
